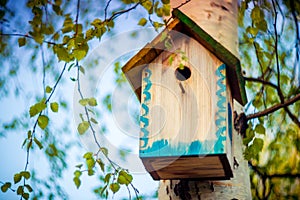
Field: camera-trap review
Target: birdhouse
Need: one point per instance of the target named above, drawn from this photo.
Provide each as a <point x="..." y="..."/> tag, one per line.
<point x="186" y="81"/>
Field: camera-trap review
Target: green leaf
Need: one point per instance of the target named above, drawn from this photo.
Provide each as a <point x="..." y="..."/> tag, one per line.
<point x="77" y="173"/>
<point x="25" y="174"/>
<point x="5" y="186"/>
<point x="43" y="121"/>
<point x="17" y="178"/>
<point x="88" y="155"/>
<point x="54" y="106"/>
<point x="262" y="25"/>
<point x="260" y="129"/>
<point x="80" y="53"/>
<point x="107" y="178"/>
<point x="110" y="23"/>
<point x="104" y="151"/>
<point x="62" y="53"/>
<point x="103" y="189"/>
<point x="100" y="163"/>
<point x="20" y="190"/>
<point x="249" y="136"/>
<point x="82" y="69"/>
<point x="29" y="134"/>
<point x="77" y="182"/>
<point x="92" y="101"/>
<point x="22" y="41"/>
<point x="79" y="166"/>
<point x="142" y="22"/>
<point x="83" y="127"/>
<point x="37" y="108"/>
<point x="157" y="25"/>
<point x="114" y="187"/>
<point x="84" y="101"/>
<point x="124" y="178"/>
<point x="165" y="1"/>
<point x="256" y="14"/>
<point x="90" y="163"/>
<point x="37" y="142"/>
<point x="252" y="30"/>
<point x="48" y="89"/>
<point x="258" y="144"/>
<point x="91" y="172"/>
<point x="94" y="121"/>
<point x="29" y="188"/>
<point x="25" y="195"/>
<point x="166" y="9"/>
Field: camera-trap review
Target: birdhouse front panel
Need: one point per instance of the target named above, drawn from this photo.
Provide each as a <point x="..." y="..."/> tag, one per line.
<point x="186" y="114"/>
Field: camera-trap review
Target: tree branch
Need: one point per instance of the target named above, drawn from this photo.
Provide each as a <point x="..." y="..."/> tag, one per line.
<point x="259" y="80"/>
<point x="27" y="36"/>
<point x="276" y="46"/>
<point x="274" y="108"/>
<point x="280" y="94"/>
<point x="77" y="16"/>
<point x="117" y="14"/>
<point x="262" y="172"/>
<point x="106" y="8"/>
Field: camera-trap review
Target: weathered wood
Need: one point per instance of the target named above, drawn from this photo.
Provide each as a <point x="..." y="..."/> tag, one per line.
<point x="185" y="118"/>
<point x="218" y="18"/>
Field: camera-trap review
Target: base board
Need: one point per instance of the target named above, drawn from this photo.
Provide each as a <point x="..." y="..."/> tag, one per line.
<point x="210" y="167"/>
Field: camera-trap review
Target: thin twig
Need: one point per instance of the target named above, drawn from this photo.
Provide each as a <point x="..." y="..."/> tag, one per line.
<point x="259" y="80"/>
<point x="276" y="45"/>
<point x="115" y="166"/>
<point x="262" y="172"/>
<point x="105" y="9"/>
<point x="35" y="125"/>
<point x="25" y="35"/>
<point x="274" y="108"/>
<point x="77" y="16"/>
<point x="119" y="13"/>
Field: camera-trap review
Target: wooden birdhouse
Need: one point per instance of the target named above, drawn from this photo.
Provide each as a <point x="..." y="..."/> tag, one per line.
<point x="186" y="82"/>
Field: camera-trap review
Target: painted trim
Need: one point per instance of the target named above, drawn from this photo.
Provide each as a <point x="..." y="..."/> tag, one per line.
<point x="144" y="120"/>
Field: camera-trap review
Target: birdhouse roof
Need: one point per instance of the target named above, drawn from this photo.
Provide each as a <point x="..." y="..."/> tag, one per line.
<point x="182" y="23"/>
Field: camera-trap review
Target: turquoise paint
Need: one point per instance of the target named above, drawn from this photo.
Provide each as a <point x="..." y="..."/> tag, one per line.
<point x="221" y="105"/>
<point x="144" y="121"/>
<point x="165" y="147"/>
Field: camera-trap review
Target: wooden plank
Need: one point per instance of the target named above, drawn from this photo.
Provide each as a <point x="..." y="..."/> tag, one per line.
<point x="188" y="167"/>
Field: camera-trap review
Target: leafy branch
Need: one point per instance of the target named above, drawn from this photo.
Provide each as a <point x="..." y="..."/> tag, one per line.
<point x="42" y="121"/>
<point x="123" y="176"/>
<point x="25" y="36"/>
<point x="274" y="108"/>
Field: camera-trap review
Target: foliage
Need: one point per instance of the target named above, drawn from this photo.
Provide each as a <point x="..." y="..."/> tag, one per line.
<point x="65" y="32"/>
<point x="269" y="43"/>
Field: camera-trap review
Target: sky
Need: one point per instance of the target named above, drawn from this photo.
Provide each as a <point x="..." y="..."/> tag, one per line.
<point x="122" y="134"/>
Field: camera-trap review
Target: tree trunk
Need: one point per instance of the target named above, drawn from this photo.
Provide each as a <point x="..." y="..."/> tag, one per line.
<point x="236" y="188"/>
<point x="219" y="19"/>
